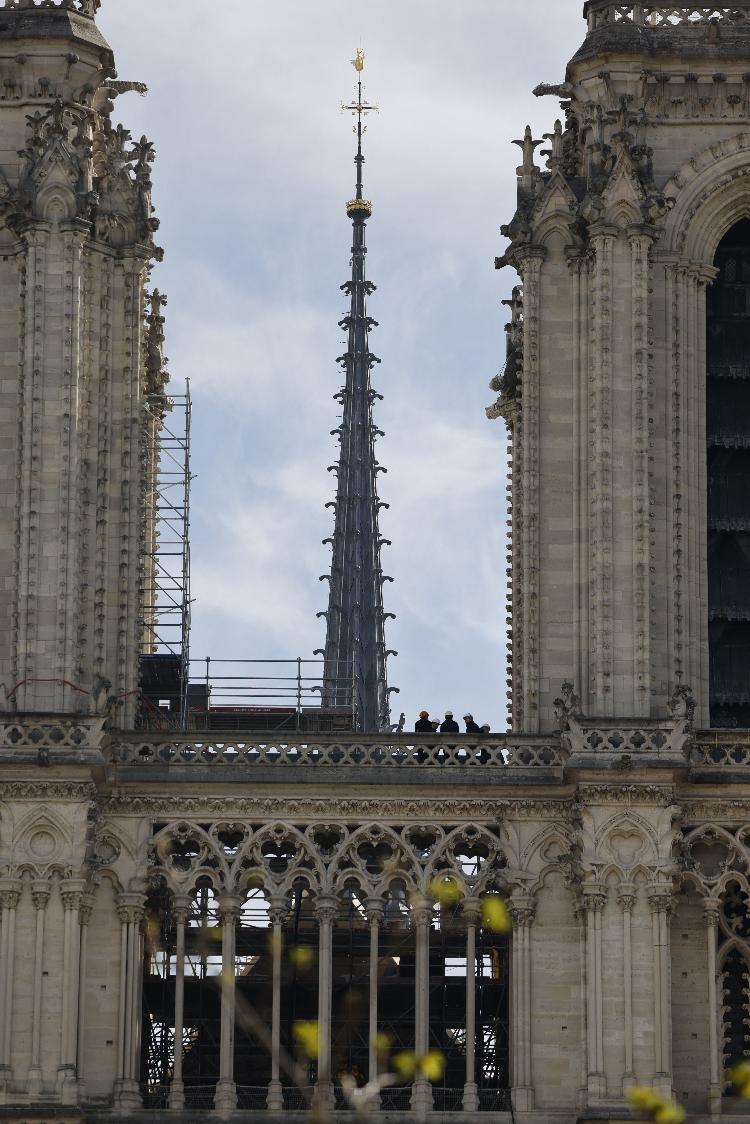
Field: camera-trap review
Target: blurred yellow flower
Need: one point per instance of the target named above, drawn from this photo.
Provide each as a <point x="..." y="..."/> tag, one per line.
<point x="670" y="1114"/>
<point x="495" y="916"/>
<point x="408" y="1065"/>
<point x="654" y="1104"/>
<point x="432" y="1065"/>
<point x="405" y="1064"/>
<point x="645" y="1099"/>
<point x="306" y="1035"/>
<point x="383" y="1042"/>
<point x="739" y="1075"/>
<point x="302" y="958"/>
<point x="152" y="926"/>
<point x="444" y="888"/>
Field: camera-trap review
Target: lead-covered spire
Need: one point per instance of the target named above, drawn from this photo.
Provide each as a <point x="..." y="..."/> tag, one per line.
<point x="355" y="651"/>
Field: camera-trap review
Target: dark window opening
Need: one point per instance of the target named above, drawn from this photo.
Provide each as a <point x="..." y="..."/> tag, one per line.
<point x="728" y="439"/>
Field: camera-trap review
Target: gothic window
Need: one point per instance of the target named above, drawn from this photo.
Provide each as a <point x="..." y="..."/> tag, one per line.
<point x="378" y="942"/>
<point x="728" y="437"/>
<point x="734" y="953"/>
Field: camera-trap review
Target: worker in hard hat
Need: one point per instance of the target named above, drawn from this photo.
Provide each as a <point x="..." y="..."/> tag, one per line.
<point x="423" y="726"/>
<point x="471" y="726"/>
<point x="449" y="726"/>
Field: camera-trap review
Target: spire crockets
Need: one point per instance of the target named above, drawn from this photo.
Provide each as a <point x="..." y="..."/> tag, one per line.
<point x="355" y="651"/>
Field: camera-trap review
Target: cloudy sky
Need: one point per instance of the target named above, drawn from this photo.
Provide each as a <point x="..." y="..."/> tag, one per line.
<point x="254" y="168"/>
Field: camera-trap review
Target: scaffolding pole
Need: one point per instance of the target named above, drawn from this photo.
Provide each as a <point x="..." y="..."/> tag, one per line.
<point x="167" y="554"/>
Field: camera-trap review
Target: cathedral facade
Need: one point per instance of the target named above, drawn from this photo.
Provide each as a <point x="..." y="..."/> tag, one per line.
<point x="517" y="927"/>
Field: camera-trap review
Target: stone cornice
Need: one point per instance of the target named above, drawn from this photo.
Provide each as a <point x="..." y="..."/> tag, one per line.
<point x="383" y="806"/>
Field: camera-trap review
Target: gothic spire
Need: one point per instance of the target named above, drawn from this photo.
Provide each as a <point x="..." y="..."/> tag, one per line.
<point x="355" y="652"/>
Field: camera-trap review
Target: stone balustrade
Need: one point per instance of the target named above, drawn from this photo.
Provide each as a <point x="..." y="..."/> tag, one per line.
<point x="721" y="750"/>
<point x="83" y="7"/>
<point x="360" y="750"/>
<point x="604" y="13"/>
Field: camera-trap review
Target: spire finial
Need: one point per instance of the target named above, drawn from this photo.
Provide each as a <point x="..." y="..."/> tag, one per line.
<point x="359" y="207"/>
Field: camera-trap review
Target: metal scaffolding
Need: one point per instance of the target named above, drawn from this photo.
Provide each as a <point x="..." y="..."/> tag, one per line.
<point x="167" y="551"/>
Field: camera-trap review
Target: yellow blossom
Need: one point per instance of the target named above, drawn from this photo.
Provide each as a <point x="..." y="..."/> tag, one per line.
<point x="444" y="888"/>
<point x="739" y="1075"/>
<point x="302" y="958"/>
<point x="495" y="916"/>
<point x="432" y="1065"/>
<point x="645" y="1099"/>
<point x="307" y="1036"/>
<point x="383" y="1042"/>
<point x="670" y="1114"/>
<point x="405" y="1064"/>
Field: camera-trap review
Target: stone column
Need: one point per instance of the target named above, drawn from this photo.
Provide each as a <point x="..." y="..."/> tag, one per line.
<point x="421" y="1094"/>
<point x="226" y="1090"/>
<point x="71" y="893"/>
<point x="522" y="910"/>
<point x="326" y="911"/>
<point x="472" y="913"/>
<point x="275" y="1102"/>
<point x="130" y="910"/>
<point x="375" y="913"/>
<point x="578" y="267"/>
<point x="661" y="905"/>
<point x="10" y="895"/>
<point x="581" y="917"/>
<point x="626" y="898"/>
<point x="180" y="912"/>
<point x="40" y="893"/>
<point x="87" y="907"/>
<point x="529" y="260"/>
<point x="711" y="907"/>
<point x="641" y="236"/>
<point x="594" y="900"/>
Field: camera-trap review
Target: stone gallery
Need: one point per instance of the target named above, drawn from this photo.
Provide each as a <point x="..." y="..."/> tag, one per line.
<point x="200" y="918"/>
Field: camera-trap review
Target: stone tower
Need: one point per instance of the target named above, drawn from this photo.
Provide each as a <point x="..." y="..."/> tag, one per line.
<point x="76" y="244"/>
<point x="355" y="652"/>
<point x="629" y="435"/>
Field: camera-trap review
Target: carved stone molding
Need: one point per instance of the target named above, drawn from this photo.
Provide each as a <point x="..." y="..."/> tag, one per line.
<point x="384" y="807"/>
<point x="130" y="908"/>
<point x="660" y="796"/>
<point x="47" y="790"/>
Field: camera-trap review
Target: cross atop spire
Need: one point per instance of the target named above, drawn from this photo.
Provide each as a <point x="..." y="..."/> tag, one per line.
<point x="355" y="653"/>
<point x="360" y="108"/>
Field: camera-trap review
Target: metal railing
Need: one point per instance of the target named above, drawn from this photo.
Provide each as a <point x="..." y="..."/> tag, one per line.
<point x="282" y="688"/>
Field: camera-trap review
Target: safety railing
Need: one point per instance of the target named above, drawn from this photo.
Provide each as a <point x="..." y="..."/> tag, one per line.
<point x="375" y="750"/>
<point x="605" y="13"/>
<point x="297" y="1100"/>
<point x="155" y="1098"/>
<point x="228" y="689"/>
<point x="252" y="1098"/>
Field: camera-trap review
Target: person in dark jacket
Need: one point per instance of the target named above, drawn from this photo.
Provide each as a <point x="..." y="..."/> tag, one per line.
<point x="471" y="726"/>
<point x="449" y="726"/>
<point x="423" y="726"/>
